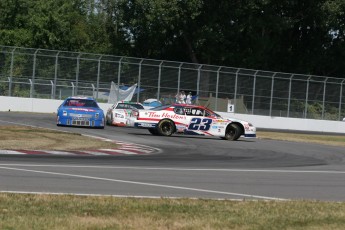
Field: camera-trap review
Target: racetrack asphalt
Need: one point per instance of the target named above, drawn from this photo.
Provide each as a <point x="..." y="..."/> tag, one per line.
<point x="185" y="166"/>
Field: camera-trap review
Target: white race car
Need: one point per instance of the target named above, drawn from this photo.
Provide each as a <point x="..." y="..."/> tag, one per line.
<point x="192" y="120"/>
<point x="119" y="113"/>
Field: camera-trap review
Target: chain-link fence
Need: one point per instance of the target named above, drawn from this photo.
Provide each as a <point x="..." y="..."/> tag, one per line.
<point x="39" y="73"/>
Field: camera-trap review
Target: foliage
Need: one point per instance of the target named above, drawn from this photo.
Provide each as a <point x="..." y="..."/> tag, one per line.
<point x="289" y="36"/>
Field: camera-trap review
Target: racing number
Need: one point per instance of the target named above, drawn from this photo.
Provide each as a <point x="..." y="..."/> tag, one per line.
<point x="200" y="124"/>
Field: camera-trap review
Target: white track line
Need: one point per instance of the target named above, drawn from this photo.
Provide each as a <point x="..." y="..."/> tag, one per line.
<point x="119" y="151"/>
<point x="146" y="184"/>
<point x="178" y="169"/>
<point x="11" y="152"/>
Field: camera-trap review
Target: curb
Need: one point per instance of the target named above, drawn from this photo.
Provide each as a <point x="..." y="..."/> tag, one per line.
<point x="125" y="149"/>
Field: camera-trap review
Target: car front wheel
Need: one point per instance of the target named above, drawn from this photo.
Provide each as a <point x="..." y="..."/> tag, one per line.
<point x="233" y="132"/>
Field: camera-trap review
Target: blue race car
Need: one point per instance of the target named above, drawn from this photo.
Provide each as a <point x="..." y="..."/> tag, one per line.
<point x="80" y="111"/>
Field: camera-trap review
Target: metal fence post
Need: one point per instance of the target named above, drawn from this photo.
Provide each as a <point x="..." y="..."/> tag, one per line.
<point x="198" y="81"/>
<point x="254" y="88"/>
<point x="289" y="99"/>
<point x="306" y="98"/>
<point x="9" y="83"/>
<point x="324" y="98"/>
<point x="33" y="75"/>
<point x="159" y="80"/>
<point x="52" y="90"/>
<point x="340" y="98"/>
<point x="179" y="77"/>
<point x="217" y="83"/>
<point x="72" y="89"/>
<point x="118" y="79"/>
<point x="55" y="74"/>
<point x="77" y="76"/>
<point x="31" y="87"/>
<point x="272" y="88"/>
<point x="139" y="80"/>
<point x="11" y="74"/>
<point x="98" y="77"/>
<point x="235" y="93"/>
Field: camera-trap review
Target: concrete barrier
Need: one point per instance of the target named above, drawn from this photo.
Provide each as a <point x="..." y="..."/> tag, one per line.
<point x="285" y="123"/>
<point x="19" y="104"/>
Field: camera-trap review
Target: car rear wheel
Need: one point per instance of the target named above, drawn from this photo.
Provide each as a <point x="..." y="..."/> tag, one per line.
<point x="104" y="123"/>
<point x="233" y="132"/>
<point x="109" y="122"/>
<point x="166" y="127"/>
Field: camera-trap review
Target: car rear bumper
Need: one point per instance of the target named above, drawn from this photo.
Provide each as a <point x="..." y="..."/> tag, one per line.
<point x="69" y="121"/>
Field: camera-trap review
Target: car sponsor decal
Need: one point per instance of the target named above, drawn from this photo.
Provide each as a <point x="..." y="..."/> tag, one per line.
<point x="164" y="115"/>
<point x="144" y="125"/>
<point x="83" y="109"/>
<point x="202" y="124"/>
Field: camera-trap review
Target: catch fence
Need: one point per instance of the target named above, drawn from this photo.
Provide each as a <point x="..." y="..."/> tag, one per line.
<point x="39" y="73"/>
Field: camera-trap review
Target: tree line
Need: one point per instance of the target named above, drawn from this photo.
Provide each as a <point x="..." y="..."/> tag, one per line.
<point x="292" y="36"/>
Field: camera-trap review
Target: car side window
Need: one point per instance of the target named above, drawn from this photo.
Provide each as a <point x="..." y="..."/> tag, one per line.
<point x="179" y="110"/>
<point x="199" y="112"/>
<point x="188" y="111"/>
<point x="208" y="114"/>
<point x="120" y="106"/>
<point x="194" y="112"/>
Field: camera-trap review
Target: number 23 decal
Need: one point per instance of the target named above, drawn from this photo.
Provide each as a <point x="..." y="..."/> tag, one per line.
<point x="200" y="124"/>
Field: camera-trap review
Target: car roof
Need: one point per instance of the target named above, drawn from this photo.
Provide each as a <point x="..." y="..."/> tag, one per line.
<point x="190" y="106"/>
<point x="128" y="102"/>
<point x="163" y="107"/>
<point x="84" y="98"/>
<point x="151" y="100"/>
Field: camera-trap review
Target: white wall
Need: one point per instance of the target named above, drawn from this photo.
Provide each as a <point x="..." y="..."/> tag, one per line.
<point x="50" y="106"/>
<point x="285" y="123"/>
<point x="20" y="104"/>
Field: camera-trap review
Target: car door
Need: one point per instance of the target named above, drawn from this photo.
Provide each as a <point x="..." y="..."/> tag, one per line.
<point x="197" y="121"/>
<point x="179" y="119"/>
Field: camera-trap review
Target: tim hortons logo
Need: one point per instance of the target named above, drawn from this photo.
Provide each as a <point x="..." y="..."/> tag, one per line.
<point x="164" y="115"/>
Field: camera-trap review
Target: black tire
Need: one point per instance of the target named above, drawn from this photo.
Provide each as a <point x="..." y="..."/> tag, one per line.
<point x="166" y="127"/>
<point x="233" y="132"/>
<point x="111" y="120"/>
<point x="153" y="131"/>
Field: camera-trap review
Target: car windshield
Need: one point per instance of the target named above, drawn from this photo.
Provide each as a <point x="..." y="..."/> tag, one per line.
<point x="137" y="106"/>
<point x="129" y="106"/>
<point x="80" y="103"/>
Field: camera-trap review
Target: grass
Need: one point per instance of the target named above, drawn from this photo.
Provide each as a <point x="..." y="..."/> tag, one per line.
<point x="79" y="212"/>
<point x="334" y="140"/>
<point x="32" y="138"/>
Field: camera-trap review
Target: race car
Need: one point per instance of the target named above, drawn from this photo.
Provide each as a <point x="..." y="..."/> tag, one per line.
<point x="193" y="120"/>
<point x="120" y="112"/>
<point x="80" y="111"/>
